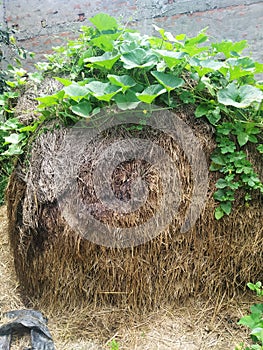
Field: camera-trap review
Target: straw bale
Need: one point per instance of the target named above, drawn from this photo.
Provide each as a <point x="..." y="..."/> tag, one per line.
<point x="57" y="266"/>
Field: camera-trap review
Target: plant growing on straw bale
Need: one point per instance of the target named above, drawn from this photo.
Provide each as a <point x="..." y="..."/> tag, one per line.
<point x="8" y="98"/>
<point x="110" y="70"/>
<point x="254" y="321"/>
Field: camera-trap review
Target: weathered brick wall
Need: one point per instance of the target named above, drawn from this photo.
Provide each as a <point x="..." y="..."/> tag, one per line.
<point x="41" y="24"/>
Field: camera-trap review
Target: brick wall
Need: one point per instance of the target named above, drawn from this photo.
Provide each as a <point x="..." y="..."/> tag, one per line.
<point x="41" y="24"/>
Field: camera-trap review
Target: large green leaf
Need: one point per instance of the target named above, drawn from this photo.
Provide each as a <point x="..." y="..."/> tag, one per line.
<point x="107" y="60"/>
<point x="126" y="101"/>
<point x="63" y="81"/>
<point x="10" y="124"/>
<point x="212" y="64"/>
<point x="76" y="92"/>
<point x="238" y="72"/>
<point x="14" y="138"/>
<point x="14" y="149"/>
<point x="239" y="67"/>
<point x="50" y="100"/>
<point x="240" y="97"/>
<point x="124" y="81"/>
<point x="82" y="109"/>
<point x="171" y="58"/>
<point x="169" y="81"/>
<point x="150" y="93"/>
<point x="104" y="22"/>
<point x="102" y="91"/>
<point x="139" y="58"/>
<point x="228" y="48"/>
<point x="199" y="39"/>
<point x="105" y="41"/>
<point x="258" y="332"/>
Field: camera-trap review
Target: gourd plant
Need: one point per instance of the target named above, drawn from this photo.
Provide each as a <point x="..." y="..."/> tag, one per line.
<point x="109" y="65"/>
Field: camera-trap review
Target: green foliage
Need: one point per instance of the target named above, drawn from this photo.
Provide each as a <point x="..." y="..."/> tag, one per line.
<point x="254" y="321"/>
<point x="12" y="139"/>
<point x="114" y="345"/>
<point x="110" y="65"/>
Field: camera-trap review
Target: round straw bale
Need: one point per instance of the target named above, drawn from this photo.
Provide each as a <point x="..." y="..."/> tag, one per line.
<point x="55" y="264"/>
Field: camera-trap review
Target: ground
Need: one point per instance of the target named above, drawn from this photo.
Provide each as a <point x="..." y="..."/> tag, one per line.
<point x="196" y="325"/>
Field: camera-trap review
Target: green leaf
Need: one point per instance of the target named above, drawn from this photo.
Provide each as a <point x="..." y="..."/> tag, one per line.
<point x="104" y="22"/>
<point x="208" y="84"/>
<point x="82" y="109"/>
<point x="47" y="101"/>
<point x="260" y="148"/>
<point x="76" y="92"/>
<point x="14" y="138"/>
<point x="126" y="101"/>
<point x="139" y="58"/>
<point x="156" y="43"/>
<point x="228" y="48"/>
<point x="240" y="97"/>
<point x="107" y="60"/>
<point x="259" y="290"/>
<point x="30" y="127"/>
<point x="223" y="195"/>
<point x="171" y="58"/>
<point x="212" y="64"/>
<point x="14" y="149"/>
<point x="198" y="39"/>
<point x="165" y="35"/>
<point x="36" y="77"/>
<point x="11" y="124"/>
<point x="102" y="91"/>
<point x="251" y="320"/>
<point x="63" y="81"/>
<point x="219" y="213"/>
<point x="205" y="66"/>
<point x="214" y="116"/>
<point x="150" y="93"/>
<point x="221" y="183"/>
<point x="224" y="128"/>
<point x="202" y="110"/>
<point x="169" y="81"/>
<point x="124" y="81"/>
<point x="218" y="159"/>
<point x="242" y="138"/>
<point x="187" y="97"/>
<point x="128" y="46"/>
<point x="258" y="67"/>
<point x="226" y="207"/>
<point x="258" y="333"/>
<point x="104" y="42"/>
<point x="238" y="72"/>
<point x="257" y="309"/>
<point x="229" y="147"/>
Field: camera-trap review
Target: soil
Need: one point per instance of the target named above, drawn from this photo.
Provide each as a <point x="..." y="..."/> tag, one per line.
<point x="196" y="325"/>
